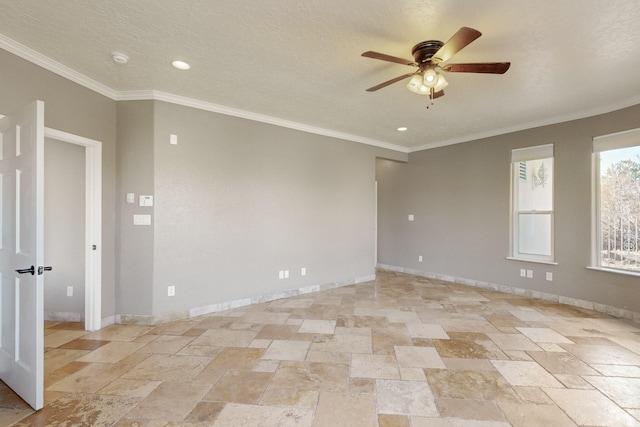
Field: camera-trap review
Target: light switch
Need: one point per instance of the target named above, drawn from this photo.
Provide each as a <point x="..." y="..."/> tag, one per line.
<point x="142" y="220"/>
<point x="173" y="139"/>
<point x="131" y="198"/>
<point x="410" y="217"/>
<point x="146" y="200"/>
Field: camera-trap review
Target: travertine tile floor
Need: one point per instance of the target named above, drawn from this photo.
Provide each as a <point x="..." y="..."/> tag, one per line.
<point x="400" y="351"/>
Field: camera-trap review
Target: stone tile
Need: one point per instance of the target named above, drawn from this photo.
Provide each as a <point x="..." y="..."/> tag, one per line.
<point x="573" y="381"/>
<point x="167" y="344"/>
<point x="343" y="344"/>
<point x="311" y="376"/>
<point x="225" y="338"/>
<point x="328" y="357"/>
<point x="335" y="408"/>
<point x="130" y="388"/>
<point x="405" y="398"/>
<point x="605" y="355"/>
<point x="454" y="422"/>
<point x="427" y="331"/>
<point x="310" y="326"/>
<point x="237" y="358"/>
<point x="386" y="420"/>
<point x="590" y="407"/>
<point x="112" y="352"/>
<point x="362" y="385"/>
<point x="476" y="385"/>
<point x="89" y="379"/>
<point x="530" y="315"/>
<point x="162" y="404"/>
<point x="412" y="374"/>
<point x="468" y="349"/>
<point x="513" y="342"/>
<point x="58" y="357"/>
<point x="418" y="357"/>
<point x="205" y="412"/>
<point x="374" y="366"/>
<point x="546" y="335"/>
<point x="277" y="332"/>
<point x="468" y="364"/>
<point x="234" y="415"/>
<point x="62" y="337"/>
<point x="275" y="396"/>
<point x="161" y="367"/>
<point x="352" y="321"/>
<point x="399" y="316"/>
<point x="531" y="415"/>
<point x="82" y="344"/>
<point x="562" y="363"/>
<point x="624" y="391"/>
<point x="469" y="409"/>
<point x="618" y="370"/>
<point x="525" y="374"/>
<point x="287" y="350"/>
<point x="239" y="387"/>
<point x="265" y="318"/>
<point x="80" y="410"/>
<point x="119" y="333"/>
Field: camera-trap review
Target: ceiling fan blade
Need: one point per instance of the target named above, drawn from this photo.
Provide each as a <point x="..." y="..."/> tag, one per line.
<point x="482" y="67"/>
<point x="389" y="82"/>
<point x="456" y="43"/>
<point x="438" y="94"/>
<point x="388" y="58"/>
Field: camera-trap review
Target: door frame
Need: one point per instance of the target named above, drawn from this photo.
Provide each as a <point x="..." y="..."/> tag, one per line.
<point x="93" y="224"/>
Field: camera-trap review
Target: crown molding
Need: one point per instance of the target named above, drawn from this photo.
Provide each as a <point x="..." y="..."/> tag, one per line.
<point x="235" y="112"/>
<point x="531" y="125"/>
<point x="49" y="64"/>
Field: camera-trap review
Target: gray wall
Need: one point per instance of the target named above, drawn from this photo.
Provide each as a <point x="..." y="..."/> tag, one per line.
<point x="64" y="226"/>
<point x="134" y="285"/>
<point x="71" y="108"/>
<point x="235" y="202"/>
<point x="460" y="198"/>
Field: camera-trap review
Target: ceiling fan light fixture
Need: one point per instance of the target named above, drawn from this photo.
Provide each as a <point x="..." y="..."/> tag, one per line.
<point x="430" y="78"/>
<point x="441" y="83"/>
<point x="415" y="83"/>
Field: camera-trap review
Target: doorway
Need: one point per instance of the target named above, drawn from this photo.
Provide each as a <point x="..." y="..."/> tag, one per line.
<point x="91" y="235"/>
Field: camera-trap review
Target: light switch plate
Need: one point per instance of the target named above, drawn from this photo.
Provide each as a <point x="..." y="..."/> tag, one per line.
<point x="131" y="198"/>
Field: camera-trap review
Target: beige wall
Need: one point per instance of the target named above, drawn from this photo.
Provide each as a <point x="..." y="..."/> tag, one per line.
<point x="460" y="198"/>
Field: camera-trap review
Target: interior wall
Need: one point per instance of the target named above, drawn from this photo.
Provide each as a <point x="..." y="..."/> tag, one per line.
<point x="134" y="291"/>
<point x="459" y="196"/>
<point x="237" y="201"/>
<point x="64" y="228"/>
<point x="75" y="109"/>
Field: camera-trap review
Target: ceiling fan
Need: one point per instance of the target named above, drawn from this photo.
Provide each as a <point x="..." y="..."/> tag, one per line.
<point x="429" y="57"/>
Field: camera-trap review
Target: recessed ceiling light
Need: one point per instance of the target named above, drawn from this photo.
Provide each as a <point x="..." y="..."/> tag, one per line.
<point x="119" y="58"/>
<point x="181" y="65"/>
<point x="402" y="129"/>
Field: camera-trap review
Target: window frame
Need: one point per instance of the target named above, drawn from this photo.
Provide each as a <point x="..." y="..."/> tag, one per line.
<point x="614" y="141"/>
<point x="518" y="155"/>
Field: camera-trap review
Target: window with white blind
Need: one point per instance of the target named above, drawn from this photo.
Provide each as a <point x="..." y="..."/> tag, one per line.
<point x="532" y="203"/>
<point x="616" y="217"/>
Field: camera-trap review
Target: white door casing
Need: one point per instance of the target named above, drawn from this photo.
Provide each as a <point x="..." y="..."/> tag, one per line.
<point x="21" y="247"/>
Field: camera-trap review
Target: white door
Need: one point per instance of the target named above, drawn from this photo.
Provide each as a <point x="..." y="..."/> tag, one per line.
<point x="21" y="248"/>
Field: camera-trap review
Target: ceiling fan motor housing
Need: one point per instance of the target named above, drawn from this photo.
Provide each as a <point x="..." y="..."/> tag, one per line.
<point x="424" y="51"/>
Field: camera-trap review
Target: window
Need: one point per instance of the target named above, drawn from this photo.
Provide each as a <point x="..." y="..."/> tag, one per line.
<point x="532" y="203"/>
<point x="617" y="201"/>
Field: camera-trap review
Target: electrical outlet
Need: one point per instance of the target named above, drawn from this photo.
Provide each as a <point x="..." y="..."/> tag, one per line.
<point x="529" y="274"/>
<point x="523" y="272"/>
<point x="411" y="217"/>
<point x="419" y="258"/>
<point x="549" y="276"/>
<point x="303" y="271"/>
<point x="171" y="291"/>
<point x="281" y="274"/>
<point x="286" y="274"/>
<point x="69" y="291"/>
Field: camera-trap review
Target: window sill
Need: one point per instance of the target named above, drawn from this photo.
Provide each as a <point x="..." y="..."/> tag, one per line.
<point x="615" y="271"/>
<point x="535" y="261"/>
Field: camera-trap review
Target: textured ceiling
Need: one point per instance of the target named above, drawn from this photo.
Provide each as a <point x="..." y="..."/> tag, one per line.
<point x="299" y="60"/>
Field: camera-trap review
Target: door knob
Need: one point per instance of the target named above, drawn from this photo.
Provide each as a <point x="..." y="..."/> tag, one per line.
<point x="31" y="270"/>
<point x="42" y="269"/>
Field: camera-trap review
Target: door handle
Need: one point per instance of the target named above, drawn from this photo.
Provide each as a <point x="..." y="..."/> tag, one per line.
<point x="31" y="270"/>
<point x="42" y="269"/>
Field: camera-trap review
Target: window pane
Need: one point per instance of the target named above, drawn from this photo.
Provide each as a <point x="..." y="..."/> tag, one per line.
<point x="620" y="208"/>
<point x="535" y="191"/>
<point x="534" y="234"/>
